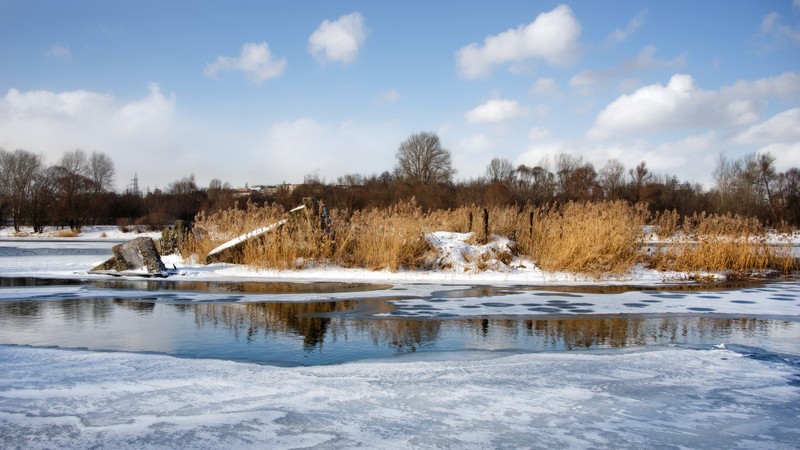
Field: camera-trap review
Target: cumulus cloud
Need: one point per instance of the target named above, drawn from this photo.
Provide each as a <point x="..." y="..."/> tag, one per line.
<point x="60" y="52"/>
<point x="339" y="40"/>
<point x="136" y="134"/>
<point x="552" y="37"/>
<point x="386" y="97"/>
<point x="498" y="110"/>
<point x="255" y="61"/>
<point x="781" y="128"/>
<point x="681" y="104"/>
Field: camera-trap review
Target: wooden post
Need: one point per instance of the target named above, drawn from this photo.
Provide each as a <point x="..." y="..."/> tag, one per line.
<point x="469" y="222"/>
<point x="485" y="225"/>
<point x="530" y="223"/>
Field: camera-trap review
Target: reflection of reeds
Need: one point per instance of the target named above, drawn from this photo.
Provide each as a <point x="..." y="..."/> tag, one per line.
<point x="578" y="333"/>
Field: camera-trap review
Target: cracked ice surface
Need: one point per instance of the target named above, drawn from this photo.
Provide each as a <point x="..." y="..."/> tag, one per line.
<point x="622" y="399"/>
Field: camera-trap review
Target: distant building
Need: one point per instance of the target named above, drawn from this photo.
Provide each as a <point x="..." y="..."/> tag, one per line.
<point x="274" y="189"/>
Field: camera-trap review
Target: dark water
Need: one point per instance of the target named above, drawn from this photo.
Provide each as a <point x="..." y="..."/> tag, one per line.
<point x="325" y="332"/>
<point x="339" y="331"/>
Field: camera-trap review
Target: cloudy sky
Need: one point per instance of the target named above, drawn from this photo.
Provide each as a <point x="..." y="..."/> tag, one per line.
<point x="263" y="92"/>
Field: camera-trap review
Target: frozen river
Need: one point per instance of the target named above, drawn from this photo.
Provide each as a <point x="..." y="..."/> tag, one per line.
<point x="200" y="362"/>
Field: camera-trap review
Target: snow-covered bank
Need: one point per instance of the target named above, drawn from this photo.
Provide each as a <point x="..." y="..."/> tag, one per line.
<point x="459" y="261"/>
<point x="641" y="399"/>
<point x="109" y="232"/>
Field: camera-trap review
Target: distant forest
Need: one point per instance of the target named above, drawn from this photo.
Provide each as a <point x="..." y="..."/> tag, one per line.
<point x="78" y="189"/>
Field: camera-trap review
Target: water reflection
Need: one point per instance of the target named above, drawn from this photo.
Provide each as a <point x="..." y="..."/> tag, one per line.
<point x="243" y="287"/>
<point x="337" y="331"/>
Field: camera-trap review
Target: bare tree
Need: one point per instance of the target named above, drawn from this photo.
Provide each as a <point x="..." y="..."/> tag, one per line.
<point x="640" y="176"/>
<point x="612" y="179"/>
<point x="101" y="171"/>
<point x="767" y="177"/>
<point x="421" y="160"/>
<point x="500" y="170"/>
<point x="20" y="171"/>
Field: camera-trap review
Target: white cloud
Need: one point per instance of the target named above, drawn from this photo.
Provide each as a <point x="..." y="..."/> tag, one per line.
<point x="539" y="133"/>
<point x="138" y="135"/>
<point x="291" y="149"/>
<point x="787" y="155"/>
<point x="682" y="105"/>
<point x="774" y="34"/>
<point x="495" y="111"/>
<point x="588" y="80"/>
<point x="785" y="86"/>
<point x="255" y="61"/>
<point x="541" y="110"/>
<point x="781" y="128"/>
<point x="552" y="37"/>
<point x="646" y="60"/>
<point x="476" y="144"/>
<point x="543" y="151"/>
<point x="60" y="51"/>
<point x="386" y="97"/>
<point x="620" y="35"/>
<point x="545" y="87"/>
<point x="339" y="40"/>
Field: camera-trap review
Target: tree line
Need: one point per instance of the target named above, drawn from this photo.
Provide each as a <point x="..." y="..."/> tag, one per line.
<point x="79" y="188"/>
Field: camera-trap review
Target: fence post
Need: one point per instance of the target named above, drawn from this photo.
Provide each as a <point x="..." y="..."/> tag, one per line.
<point x="530" y="224"/>
<point x="485" y="225"/>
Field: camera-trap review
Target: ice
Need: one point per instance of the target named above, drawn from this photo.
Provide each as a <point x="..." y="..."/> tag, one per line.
<point x="624" y="399"/>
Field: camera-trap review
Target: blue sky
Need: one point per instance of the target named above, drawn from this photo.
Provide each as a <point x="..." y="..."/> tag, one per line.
<point x="264" y="92"/>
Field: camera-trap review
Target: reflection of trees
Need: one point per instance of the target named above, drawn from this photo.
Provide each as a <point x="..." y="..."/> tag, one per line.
<point x="404" y="335"/>
<point x="80" y="309"/>
<point x="20" y="309"/>
<point x="312" y="321"/>
<point x="252" y="319"/>
<point x="135" y="305"/>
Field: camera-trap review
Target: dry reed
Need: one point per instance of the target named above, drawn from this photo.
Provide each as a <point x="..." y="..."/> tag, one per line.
<point x="593" y="239"/>
<point x="733" y="245"/>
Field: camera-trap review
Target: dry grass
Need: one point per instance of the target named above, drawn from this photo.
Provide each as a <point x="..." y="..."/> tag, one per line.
<point x="391" y="238"/>
<point x="592" y="239"/>
<point x="733" y="245"/>
<point x="67" y="233"/>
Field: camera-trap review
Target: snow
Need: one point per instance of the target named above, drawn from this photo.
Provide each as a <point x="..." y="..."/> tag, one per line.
<point x="651" y="397"/>
<point x="631" y="399"/>
<point x="98" y="232"/>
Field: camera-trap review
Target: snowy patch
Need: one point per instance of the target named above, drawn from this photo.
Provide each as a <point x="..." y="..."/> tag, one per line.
<point x="668" y="397"/>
